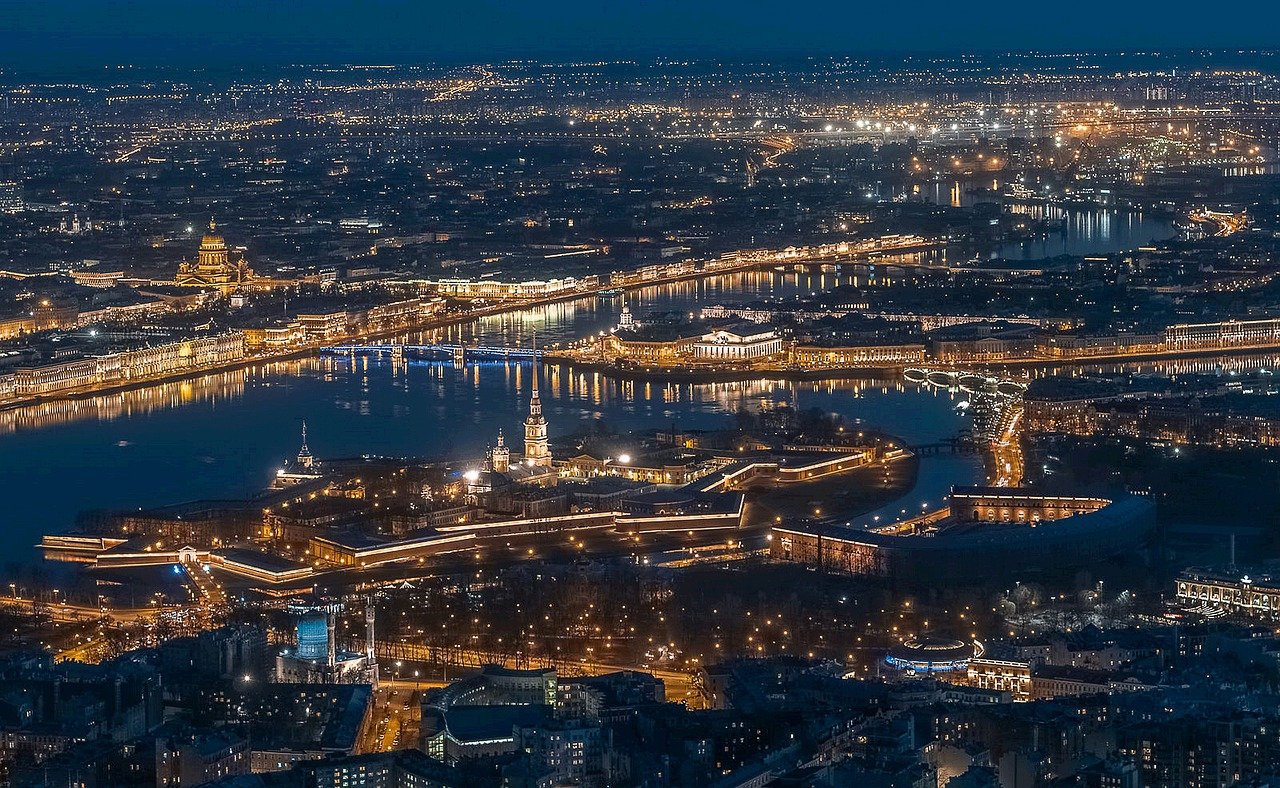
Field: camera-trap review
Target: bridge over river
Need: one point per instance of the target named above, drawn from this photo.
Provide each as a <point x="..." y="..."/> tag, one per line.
<point x="459" y="353"/>
<point x="971" y="382"/>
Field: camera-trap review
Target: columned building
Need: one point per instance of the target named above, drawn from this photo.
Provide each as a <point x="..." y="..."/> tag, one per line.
<point x="214" y="267"/>
<point x="739" y="342"/>
<point x="1230" y="592"/>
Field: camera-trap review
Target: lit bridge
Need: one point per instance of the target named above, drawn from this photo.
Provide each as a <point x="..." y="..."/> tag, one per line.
<point x="953" y="446"/>
<point x="965" y="381"/>
<point x="456" y="352"/>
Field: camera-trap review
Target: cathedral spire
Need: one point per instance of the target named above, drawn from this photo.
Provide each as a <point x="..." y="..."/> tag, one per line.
<point x="535" y="364"/>
<point x="537" y="450"/>
<point x="304" y="454"/>
<point x="535" y="400"/>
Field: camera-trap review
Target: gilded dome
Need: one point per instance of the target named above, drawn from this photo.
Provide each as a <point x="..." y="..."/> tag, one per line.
<point x="212" y="242"/>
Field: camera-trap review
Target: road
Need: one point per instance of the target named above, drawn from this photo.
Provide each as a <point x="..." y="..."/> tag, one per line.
<point x="1224" y="223"/>
<point x="678" y="683"/>
<point x="1006" y="450"/>
<point x="62" y="613"/>
<point x="394" y="722"/>
<point x="89" y="651"/>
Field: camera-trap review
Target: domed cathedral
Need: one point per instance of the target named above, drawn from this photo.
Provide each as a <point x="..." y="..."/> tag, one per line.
<point x="214" y="267"/>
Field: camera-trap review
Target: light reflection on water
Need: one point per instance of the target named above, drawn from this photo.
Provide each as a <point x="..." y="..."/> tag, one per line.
<point x="1197" y="365"/>
<point x="135" y="449"/>
<point x="1079" y="230"/>
<point x="232" y="430"/>
<point x="1086" y="231"/>
<point x="222" y="435"/>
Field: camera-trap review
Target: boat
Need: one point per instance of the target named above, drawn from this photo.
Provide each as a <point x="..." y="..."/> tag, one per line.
<point x="612" y="292"/>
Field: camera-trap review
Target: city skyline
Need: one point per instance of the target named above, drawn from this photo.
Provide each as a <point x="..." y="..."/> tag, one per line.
<point x="607" y="420"/>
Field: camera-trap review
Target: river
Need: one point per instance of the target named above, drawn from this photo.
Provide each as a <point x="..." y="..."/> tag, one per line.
<point x="1082" y="230"/>
<point x="226" y="440"/>
<point x="223" y="435"/>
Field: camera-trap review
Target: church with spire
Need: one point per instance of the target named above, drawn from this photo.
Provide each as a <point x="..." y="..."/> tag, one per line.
<point x="304" y="467"/>
<point x="535" y="467"/>
<point x="305" y="460"/>
<point x="500" y="457"/>
<point x="537" y="449"/>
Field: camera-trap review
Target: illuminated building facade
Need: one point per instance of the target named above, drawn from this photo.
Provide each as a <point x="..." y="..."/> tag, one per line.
<point x="1013" y="505"/>
<point x="884" y="355"/>
<point x="922" y="654"/>
<point x="500" y="457"/>
<point x="1230" y="592"/>
<point x="214" y="267"/>
<point x="1084" y="345"/>
<point x="88" y="371"/>
<point x="317" y="659"/>
<point x="537" y="448"/>
<point x="1001" y="675"/>
<point x="493" y="289"/>
<point x="672" y="344"/>
<point x="1230" y="333"/>
<point x="739" y="342"/>
<point x="956" y="547"/>
<point x="626" y="345"/>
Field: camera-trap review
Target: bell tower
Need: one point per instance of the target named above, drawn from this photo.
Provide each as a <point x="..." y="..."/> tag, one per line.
<point x="500" y="458"/>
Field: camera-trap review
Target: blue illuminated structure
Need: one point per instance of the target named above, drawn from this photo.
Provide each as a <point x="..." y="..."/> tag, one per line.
<point x="313" y="636"/>
<point x="932" y="655"/>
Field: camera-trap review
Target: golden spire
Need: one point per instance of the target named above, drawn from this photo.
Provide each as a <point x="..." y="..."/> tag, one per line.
<point x="535" y="364"/>
<point x="212" y="225"/>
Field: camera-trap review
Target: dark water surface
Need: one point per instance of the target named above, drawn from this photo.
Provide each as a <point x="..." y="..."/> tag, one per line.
<point x="223" y="435"/>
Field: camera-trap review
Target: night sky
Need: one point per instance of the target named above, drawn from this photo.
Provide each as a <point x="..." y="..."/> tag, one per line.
<point x="39" y="34"/>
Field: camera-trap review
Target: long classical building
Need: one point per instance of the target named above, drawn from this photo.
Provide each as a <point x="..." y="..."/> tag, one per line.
<point x="744" y="341"/>
<point x="1233" y="593"/>
<point x="143" y="361"/>
<point x="1018" y="505"/>
<point x="973" y="341"/>
<point x="988" y="532"/>
<point x="334" y="324"/>
<point x="1229" y="333"/>
<point x="496" y="290"/>
<point x="817" y="356"/>
<point x="739" y="342"/>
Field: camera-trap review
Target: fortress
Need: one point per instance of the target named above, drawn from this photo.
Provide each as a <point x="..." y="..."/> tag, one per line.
<point x="987" y="531"/>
